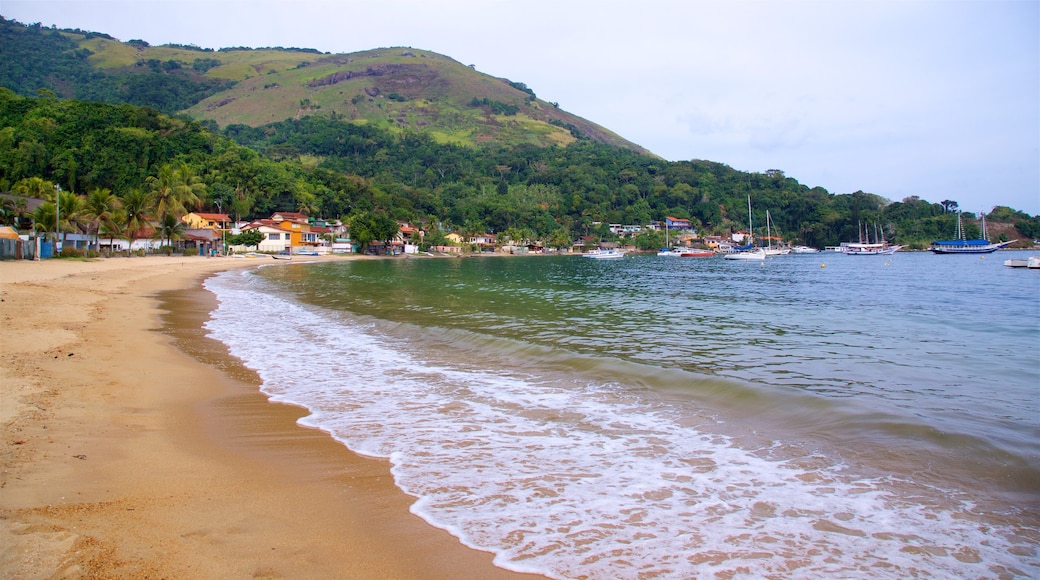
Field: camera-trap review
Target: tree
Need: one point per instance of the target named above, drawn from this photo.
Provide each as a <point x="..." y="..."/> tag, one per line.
<point x="173" y="189"/>
<point x="248" y="238"/>
<point x="136" y="204"/>
<point x="171" y="228"/>
<point x="948" y="205"/>
<point x="368" y="227"/>
<point x="100" y="210"/>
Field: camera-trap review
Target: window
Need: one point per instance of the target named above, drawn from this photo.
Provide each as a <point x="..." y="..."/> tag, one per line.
<point x="274" y="236"/>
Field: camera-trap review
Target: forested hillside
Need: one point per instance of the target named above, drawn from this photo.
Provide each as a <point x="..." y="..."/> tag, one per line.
<point x="491" y="157"/>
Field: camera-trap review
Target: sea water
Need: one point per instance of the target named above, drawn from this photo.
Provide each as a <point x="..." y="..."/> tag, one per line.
<point x="811" y="416"/>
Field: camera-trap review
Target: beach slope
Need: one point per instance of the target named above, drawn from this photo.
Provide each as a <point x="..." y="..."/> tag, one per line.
<point x="132" y="446"/>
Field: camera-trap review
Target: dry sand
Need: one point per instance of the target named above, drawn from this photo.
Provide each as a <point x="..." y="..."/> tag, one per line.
<point x="129" y="451"/>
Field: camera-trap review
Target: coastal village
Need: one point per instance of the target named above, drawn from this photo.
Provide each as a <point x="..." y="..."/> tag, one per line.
<point x="296" y="233"/>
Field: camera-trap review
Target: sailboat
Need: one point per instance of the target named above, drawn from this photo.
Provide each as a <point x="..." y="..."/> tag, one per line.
<point x="753" y="254"/>
<point x="667" y="249"/>
<point x="962" y="246"/>
<point x="880" y="247"/>
<point x="770" y="250"/>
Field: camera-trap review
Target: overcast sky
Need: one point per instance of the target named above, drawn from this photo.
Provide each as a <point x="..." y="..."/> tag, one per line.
<point x="934" y="98"/>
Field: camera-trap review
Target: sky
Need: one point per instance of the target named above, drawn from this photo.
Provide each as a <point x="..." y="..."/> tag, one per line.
<point x="938" y="99"/>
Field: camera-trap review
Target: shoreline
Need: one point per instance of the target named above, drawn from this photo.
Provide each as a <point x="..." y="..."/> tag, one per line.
<point x="134" y="446"/>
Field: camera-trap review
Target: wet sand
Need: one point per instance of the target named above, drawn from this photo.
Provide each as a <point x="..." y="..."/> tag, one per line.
<point x="133" y="447"/>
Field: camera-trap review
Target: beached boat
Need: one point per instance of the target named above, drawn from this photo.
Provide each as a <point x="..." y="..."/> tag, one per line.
<point x="602" y="254"/>
<point x="963" y="246"/>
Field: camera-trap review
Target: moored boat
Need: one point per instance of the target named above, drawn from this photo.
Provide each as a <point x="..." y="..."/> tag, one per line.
<point x="863" y="249"/>
<point x="880" y="246"/>
<point x="804" y="250"/>
<point x="602" y="254"/>
<point x="963" y="246"/>
<point x="698" y="254"/>
<point x="755" y="254"/>
<point x="1017" y="263"/>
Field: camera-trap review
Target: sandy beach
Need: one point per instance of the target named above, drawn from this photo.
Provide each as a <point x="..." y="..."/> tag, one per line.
<point x="134" y="447"/>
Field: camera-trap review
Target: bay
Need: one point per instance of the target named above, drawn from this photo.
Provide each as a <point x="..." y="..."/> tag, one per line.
<point x="667" y="417"/>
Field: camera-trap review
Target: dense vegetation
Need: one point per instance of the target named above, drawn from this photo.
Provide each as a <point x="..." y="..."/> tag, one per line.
<point x="43" y="59"/>
<point x="335" y="169"/>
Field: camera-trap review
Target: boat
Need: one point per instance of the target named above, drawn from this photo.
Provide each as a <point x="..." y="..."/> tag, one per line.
<point x="804" y="250"/>
<point x="1017" y="262"/>
<point x="963" y="246"/>
<point x="769" y="249"/>
<point x="697" y="254"/>
<point x="864" y="247"/>
<point x="603" y="254"/>
<point x="755" y="254"/>
<point x="747" y="253"/>
<point x="1033" y="263"/>
<point x="667" y="250"/>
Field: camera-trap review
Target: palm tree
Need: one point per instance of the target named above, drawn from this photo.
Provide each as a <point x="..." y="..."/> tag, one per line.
<point x="170" y="228"/>
<point x="43" y="220"/>
<point x="100" y="210"/>
<point x="71" y="212"/>
<point x="135" y="204"/>
<point x="173" y="189"/>
<point x="34" y="187"/>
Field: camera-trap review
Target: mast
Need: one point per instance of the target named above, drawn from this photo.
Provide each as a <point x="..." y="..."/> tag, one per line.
<point x="769" y="234"/>
<point x="751" y="229"/>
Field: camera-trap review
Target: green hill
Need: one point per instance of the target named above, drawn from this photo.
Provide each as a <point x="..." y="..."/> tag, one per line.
<point x="398" y="89"/>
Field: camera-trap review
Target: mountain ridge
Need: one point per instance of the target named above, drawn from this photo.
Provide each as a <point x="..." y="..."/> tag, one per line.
<point x="396" y="88"/>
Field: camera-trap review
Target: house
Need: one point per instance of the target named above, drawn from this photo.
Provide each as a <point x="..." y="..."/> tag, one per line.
<point x="674" y="223"/>
<point x="486" y="242"/>
<point x="455" y="239"/>
<point x="483" y="239"/>
<point x="275" y="238"/>
<point x="212" y="221"/>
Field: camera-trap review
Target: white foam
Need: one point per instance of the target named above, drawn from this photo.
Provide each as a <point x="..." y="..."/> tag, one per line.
<point x="575" y="479"/>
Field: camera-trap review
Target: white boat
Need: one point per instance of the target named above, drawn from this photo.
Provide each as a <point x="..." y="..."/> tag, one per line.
<point x="754" y="254"/>
<point x="1017" y="263"/>
<point x="804" y="250"/>
<point x="668" y="250"/>
<point x="863" y="247"/>
<point x="601" y="254"/>
<point x="878" y="249"/>
<point x="1033" y="263"/>
<point x="770" y="250"/>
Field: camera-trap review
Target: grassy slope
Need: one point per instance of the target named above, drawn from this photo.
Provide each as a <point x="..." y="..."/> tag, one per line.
<point x="274" y="85"/>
